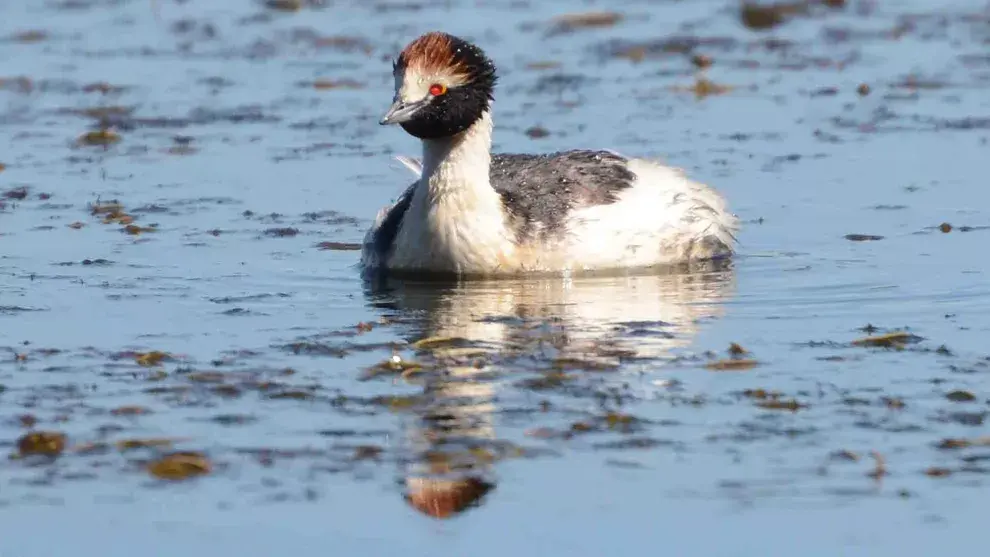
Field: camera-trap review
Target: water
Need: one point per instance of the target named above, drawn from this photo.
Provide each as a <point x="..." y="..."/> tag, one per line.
<point x="569" y="417"/>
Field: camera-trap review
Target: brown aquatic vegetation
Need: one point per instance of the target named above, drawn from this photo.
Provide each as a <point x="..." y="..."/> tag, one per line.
<point x="732" y="364"/>
<point x="20" y="84"/>
<point x="151" y="359"/>
<point x="879" y="466"/>
<point x="701" y="61"/>
<point x="180" y="466"/>
<point x="960" y="396"/>
<point x="31" y="36"/>
<point x="897" y="339"/>
<point x="432" y="343"/>
<point x="285" y="5"/>
<point x="790" y="405"/>
<point x="330" y="84"/>
<point x="949" y="444"/>
<point x="894" y="403"/>
<point x="135" y="230"/>
<point x="547" y="381"/>
<point x="537" y="132"/>
<point x="736" y="350"/>
<point x="27" y="420"/>
<point x="862" y="237"/>
<point x="130" y="411"/>
<point x="18" y="194"/>
<point x="735" y="361"/>
<point x="845" y="455"/>
<point x="543" y="65"/>
<point x="283" y="232"/>
<point x="572" y="22"/>
<point x="103" y="88"/>
<point x="338" y="246"/>
<point x="151" y="443"/>
<point x="938" y="472"/>
<point x="102" y="138"/>
<point x="47" y="443"/>
<point x="760" y="17"/>
<point x="367" y="452"/>
<point x="393" y="365"/>
<point x="704" y="87"/>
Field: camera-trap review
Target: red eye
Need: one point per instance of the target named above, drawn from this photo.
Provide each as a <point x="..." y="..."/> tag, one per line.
<point x="438" y="89"/>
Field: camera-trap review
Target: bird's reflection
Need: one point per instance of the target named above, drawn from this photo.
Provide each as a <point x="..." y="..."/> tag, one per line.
<point x="452" y="440"/>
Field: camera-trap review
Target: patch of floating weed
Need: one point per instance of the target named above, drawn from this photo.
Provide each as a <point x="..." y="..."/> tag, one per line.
<point x="570" y="23"/>
<point x="760" y="17"/>
<point x="99" y="138"/>
<point x="735" y="361"/>
<point x="44" y="443"/>
<point x="896" y="339"/>
<point x="284" y="5"/>
<point x="702" y="61"/>
<point x="879" y="466"/>
<point x="130" y="411"/>
<point x="152" y="358"/>
<point x="862" y="237"/>
<point x="543" y="65"/>
<point x="333" y="84"/>
<point x="30" y="36"/>
<point x="960" y="396"/>
<point x="845" y="455"/>
<point x="636" y="443"/>
<point x="180" y="466"/>
<point x="282" y="232"/>
<point x="433" y="343"/>
<point x="703" y="87"/>
<point x="952" y="444"/>
<point x="367" y="452"/>
<point x="791" y="405"/>
<point x="338" y="246"/>
<point x="124" y="445"/>
<point x="537" y="132"/>
<point x="206" y="376"/>
<point x="393" y="366"/>
<point x="396" y="403"/>
<point x="136" y="230"/>
<point x="894" y="403"/>
<point x="547" y="381"/>
<point x="938" y="472"/>
<point x="732" y="364"/>
<point x="17" y="194"/>
<point x="104" y="88"/>
<point x="588" y="363"/>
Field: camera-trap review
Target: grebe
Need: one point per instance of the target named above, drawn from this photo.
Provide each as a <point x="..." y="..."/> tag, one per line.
<point x="474" y="213"/>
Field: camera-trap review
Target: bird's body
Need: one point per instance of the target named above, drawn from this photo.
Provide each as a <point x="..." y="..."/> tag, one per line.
<point x="474" y="213"/>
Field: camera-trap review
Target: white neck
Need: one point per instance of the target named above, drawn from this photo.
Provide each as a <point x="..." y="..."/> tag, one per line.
<point x="456" y="220"/>
<point x="454" y="164"/>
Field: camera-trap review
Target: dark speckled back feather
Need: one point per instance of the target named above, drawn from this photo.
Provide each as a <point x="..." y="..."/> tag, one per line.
<point x="543" y="189"/>
<point x="384" y="237"/>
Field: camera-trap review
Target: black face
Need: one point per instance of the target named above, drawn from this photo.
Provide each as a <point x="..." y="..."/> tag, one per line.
<point x="456" y="110"/>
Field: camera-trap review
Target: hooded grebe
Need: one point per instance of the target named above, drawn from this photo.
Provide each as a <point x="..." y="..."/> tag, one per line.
<point x="474" y="213"/>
